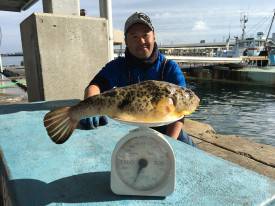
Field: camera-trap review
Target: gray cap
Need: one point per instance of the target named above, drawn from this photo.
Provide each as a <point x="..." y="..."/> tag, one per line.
<point x="138" y="17"/>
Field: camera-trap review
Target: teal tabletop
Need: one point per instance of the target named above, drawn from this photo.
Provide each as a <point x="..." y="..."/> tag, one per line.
<point x="35" y="171"/>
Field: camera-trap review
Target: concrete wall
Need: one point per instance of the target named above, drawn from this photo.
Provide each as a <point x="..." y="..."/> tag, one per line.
<point x="61" y="54"/>
<point x="69" y="7"/>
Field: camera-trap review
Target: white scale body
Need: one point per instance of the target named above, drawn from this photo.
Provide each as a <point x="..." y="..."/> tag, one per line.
<point x="143" y="163"/>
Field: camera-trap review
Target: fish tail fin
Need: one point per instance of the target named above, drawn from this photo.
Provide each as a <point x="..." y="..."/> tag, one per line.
<point x="60" y="124"/>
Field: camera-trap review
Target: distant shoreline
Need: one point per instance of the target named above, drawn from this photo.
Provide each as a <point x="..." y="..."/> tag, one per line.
<point x="13" y="54"/>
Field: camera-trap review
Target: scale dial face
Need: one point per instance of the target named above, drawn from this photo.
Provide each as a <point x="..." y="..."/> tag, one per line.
<point x="144" y="162"/>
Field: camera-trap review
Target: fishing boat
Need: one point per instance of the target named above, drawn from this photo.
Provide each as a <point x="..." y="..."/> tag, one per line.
<point x="261" y="47"/>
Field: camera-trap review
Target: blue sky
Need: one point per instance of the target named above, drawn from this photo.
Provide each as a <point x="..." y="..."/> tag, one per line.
<point x="175" y="21"/>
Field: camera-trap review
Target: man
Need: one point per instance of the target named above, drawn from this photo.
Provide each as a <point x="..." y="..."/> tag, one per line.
<point x="142" y="61"/>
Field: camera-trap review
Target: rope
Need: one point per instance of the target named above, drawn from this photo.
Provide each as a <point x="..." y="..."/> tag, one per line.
<point x="262" y="25"/>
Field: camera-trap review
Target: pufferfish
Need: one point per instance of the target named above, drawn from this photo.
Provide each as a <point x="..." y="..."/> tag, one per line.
<point x="146" y="102"/>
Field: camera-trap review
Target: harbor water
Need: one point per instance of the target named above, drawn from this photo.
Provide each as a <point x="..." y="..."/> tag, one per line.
<point x="230" y="108"/>
<point x="12" y="60"/>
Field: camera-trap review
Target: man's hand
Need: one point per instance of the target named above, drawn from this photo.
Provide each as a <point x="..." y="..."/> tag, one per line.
<point x="91" y="91"/>
<point x="173" y="129"/>
<point x="93" y="122"/>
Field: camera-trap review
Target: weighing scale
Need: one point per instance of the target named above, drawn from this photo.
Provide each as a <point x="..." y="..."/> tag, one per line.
<point x="143" y="163"/>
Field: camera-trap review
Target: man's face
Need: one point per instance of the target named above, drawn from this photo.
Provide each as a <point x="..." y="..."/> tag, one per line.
<point x="140" y="41"/>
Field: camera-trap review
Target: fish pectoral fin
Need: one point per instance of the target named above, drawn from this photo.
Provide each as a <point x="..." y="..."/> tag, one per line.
<point x="165" y="106"/>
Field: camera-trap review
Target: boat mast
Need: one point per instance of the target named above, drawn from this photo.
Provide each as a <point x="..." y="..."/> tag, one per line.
<point x="270" y="26"/>
<point x="243" y="21"/>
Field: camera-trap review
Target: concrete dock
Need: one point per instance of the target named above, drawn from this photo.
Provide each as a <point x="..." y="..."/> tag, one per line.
<point x="240" y="150"/>
<point x="248" y="75"/>
<point x="205" y="60"/>
<point x="12" y="90"/>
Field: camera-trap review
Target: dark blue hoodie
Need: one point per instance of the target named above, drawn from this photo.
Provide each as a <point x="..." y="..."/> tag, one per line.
<point x="119" y="73"/>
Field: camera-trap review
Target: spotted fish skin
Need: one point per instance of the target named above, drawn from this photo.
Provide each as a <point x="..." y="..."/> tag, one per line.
<point x="140" y="99"/>
<point x="149" y="101"/>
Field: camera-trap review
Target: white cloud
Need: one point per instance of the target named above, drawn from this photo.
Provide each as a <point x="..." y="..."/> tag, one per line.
<point x="200" y="26"/>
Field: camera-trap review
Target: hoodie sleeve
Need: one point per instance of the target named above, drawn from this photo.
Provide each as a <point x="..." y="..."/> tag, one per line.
<point x="174" y="74"/>
<point x="107" y="77"/>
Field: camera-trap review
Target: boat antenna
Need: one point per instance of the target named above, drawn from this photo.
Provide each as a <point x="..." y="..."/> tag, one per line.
<point x="270" y="25"/>
<point x="243" y="20"/>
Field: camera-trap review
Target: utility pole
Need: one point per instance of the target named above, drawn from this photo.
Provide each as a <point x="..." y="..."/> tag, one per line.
<point x="106" y="12"/>
<point x="1" y="66"/>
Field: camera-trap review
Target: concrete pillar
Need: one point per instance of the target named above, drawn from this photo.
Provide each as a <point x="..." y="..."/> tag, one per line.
<point x="106" y="12"/>
<point x="62" y="53"/>
<point x="69" y="7"/>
